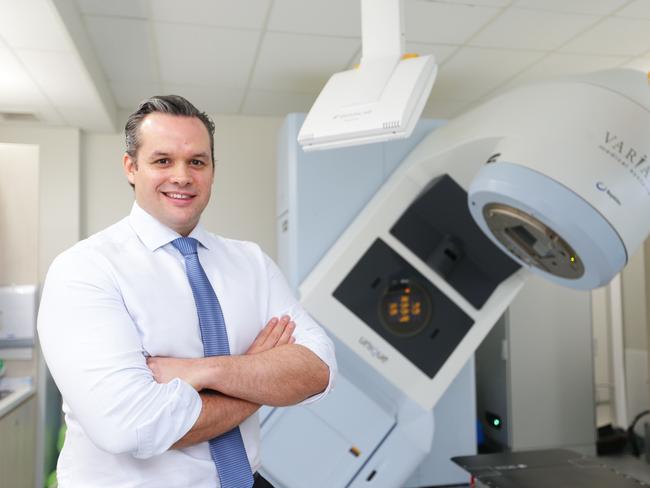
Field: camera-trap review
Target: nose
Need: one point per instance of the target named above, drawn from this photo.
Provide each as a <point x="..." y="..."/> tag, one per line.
<point x="181" y="175"/>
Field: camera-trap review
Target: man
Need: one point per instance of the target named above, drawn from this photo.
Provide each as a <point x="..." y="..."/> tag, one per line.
<point x="128" y="315"/>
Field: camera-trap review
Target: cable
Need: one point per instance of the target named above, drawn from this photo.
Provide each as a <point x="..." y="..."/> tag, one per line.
<point x="631" y="435"/>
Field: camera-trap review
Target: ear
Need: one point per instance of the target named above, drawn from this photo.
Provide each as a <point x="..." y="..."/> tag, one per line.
<point x="130" y="168"/>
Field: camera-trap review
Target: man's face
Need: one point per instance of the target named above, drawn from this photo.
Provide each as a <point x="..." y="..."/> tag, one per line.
<point x="174" y="170"/>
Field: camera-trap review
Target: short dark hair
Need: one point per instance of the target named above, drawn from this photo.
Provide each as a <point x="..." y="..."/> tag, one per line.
<point x="167" y="104"/>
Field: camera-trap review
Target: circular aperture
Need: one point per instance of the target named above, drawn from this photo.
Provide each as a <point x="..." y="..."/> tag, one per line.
<point x="532" y="241"/>
<point x="405" y="307"/>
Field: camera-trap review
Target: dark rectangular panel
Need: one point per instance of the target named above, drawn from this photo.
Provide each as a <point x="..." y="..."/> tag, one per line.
<point x="439" y="229"/>
<point x="402" y="306"/>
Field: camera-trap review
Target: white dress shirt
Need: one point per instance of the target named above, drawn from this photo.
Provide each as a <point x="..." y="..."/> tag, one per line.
<point x="122" y="294"/>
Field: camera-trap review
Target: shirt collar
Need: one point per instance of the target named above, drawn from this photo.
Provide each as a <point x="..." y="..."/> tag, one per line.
<point x="154" y="234"/>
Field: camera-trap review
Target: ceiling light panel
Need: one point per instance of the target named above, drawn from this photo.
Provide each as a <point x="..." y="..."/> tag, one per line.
<point x="333" y="18"/>
<point x="300" y="63"/>
<point x="445" y="23"/>
<point x="199" y="55"/>
<point x="124" y="47"/>
<point x="532" y="29"/>
<point x="249" y="14"/>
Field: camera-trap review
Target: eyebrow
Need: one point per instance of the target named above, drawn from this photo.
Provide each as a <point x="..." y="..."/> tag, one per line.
<point x="166" y="154"/>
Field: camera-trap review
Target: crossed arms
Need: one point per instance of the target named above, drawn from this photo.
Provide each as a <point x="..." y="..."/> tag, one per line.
<point x="274" y="371"/>
<point x="95" y="354"/>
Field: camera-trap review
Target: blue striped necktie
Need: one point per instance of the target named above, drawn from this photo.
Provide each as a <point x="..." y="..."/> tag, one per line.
<point x="227" y="450"/>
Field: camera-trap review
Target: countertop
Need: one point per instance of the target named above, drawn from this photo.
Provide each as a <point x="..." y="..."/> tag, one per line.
<point x="19" y="395"/>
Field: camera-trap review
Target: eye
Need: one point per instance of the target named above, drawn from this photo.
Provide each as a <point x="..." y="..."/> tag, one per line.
<point x="162" y="161"/>
<point x="197" y="162"/>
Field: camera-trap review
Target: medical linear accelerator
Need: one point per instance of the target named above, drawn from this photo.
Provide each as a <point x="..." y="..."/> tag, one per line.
<point x="550" y="178"/>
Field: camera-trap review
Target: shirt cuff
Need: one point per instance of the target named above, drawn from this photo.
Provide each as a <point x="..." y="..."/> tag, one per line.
<point x="175" y="418"/>
<point x="325" y="354"/>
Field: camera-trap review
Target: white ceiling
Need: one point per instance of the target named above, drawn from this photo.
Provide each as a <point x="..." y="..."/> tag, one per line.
<point x="75" y="62"/>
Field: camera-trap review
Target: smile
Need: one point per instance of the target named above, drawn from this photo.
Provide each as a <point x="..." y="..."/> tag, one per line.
<point x="179" y="196"/>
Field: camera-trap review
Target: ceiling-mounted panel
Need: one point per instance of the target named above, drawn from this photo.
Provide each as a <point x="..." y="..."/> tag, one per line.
<point x="445" y="23"/>
<point x="300" y="63"/>
<point x="125" y="48"/>
<point x="531" y="29"/>
<point x="249" y="14"/>
<point x="332" y="18"/>
<point x="205" y="55"/>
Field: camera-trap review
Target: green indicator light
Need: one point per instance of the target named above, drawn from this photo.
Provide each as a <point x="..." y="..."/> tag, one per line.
<point x="572" y="259"/>
<point x="496" y="422"/>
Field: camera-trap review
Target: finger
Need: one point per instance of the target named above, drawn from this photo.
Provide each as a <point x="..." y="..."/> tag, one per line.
<point x="272" y="321"/>
<point x="286" y="334"/>
<point x="278" y="332"/>
<point x="263" y="336"/>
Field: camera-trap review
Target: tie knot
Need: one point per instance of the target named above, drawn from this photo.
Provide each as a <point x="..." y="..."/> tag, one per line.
<point x="186" y="245"/>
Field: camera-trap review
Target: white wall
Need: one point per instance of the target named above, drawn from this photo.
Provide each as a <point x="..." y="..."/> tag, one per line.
<point x="636" y="338"/>
<point x="58" y="229"/>
<point x="635" y="296"/>
<point x="243" y="197"/>
<point x="18" y="214"/>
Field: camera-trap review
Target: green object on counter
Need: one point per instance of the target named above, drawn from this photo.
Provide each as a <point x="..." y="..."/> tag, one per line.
<point x="2" y="368"/>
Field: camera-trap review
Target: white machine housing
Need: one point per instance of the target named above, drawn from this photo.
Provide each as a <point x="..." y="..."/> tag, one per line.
<point x="569" y="121"/>
<point x="576" y="161"/>
<point x="380" y="100"/>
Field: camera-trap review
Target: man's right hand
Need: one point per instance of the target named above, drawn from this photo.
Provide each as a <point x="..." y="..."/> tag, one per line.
<point x="277" y="332"/>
